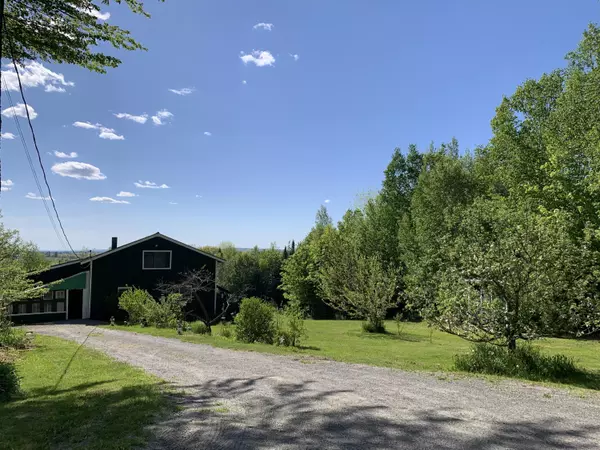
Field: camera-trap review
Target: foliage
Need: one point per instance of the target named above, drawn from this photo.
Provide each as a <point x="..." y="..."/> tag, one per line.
<point x="525" y="362"/>
<point x="255" y="322"/>
<point x="136" y="303"/>
<point x="9" y="381"/>
<point x="13" y="338"/>
<point x="200" y="328"/>
<point x="510" y="273"/>
<point x="166" y="312"/>
<point x="360" y="286"/>
<point x="290" y="326"/>
<point x="65" y="31"/>
<point x="373" y="327"/>
<point x="226" y="330"/>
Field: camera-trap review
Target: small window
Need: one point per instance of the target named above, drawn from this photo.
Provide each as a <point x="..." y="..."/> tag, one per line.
<point x="60" y="306"/>
<point x="48" y="295"/>
<point x="59" y="295"/>
<point x="156" y="259"/>
<point x="35" y="308"/>
<point x="22" y="308"/>
<point x="48" y="307"/>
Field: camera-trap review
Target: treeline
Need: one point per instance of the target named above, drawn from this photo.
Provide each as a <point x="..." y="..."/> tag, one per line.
<point x="493" y="245"/>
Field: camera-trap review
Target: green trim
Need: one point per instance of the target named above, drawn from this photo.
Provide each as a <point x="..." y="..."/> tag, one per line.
<point x="74" y="282"/>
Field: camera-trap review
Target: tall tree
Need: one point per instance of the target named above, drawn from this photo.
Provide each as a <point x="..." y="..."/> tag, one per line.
<point x="66" y="31"/>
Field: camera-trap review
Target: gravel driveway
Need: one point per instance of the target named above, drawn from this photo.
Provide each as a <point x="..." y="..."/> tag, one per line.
<point x="258" y="401"/>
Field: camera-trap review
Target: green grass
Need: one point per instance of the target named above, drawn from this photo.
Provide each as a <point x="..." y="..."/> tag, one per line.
<point x="418" y="347"/>
<point x="74" y="397"/>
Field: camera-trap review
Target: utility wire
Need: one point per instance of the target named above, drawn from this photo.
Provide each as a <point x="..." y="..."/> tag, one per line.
<point x="33" y="171"/>
<point x="14" y="61"/>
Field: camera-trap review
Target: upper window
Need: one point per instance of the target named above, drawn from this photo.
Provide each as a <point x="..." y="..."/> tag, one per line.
<point x="156" y="259"/>
<point x="48" y="295"/>
<point x="59" y="295"/>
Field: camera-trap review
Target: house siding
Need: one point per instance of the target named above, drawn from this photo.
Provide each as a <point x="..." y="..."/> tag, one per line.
<point x="124" y="268"/>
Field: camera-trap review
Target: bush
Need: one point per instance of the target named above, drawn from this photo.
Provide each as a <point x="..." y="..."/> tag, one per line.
<point x="136" y="303"/>
<point x="200" y="328"/>
<point x="9" y="381"/>
<point x="226" y="330"/>
<point x="290" y="326"/>
<point x="525" y="362"/>
<point x="166" y="312"/>
<point x="13" y="338"/>
<point x="373" y="327"/>
<point x="255" y="322"/>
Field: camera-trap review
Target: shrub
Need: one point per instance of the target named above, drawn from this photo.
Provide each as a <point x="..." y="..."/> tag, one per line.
<point x="200" y="328"/>
<point x="136" y="303"/>
<point x="166" y="312"/>
<point x="373" y="327"/>
<point x="290" y="326"/>
<point x="255" y="322"/>
<point x="226" y="330"/>
<point x="524" y="362"/>
<point x="9" y="381"/>
<point x="13" y="338"/>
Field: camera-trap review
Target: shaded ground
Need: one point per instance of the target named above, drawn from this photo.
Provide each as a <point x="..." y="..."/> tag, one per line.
<point x="258" y="401"/>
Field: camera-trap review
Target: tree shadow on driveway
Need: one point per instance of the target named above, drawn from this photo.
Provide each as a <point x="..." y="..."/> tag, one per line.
<point x="268" y="412"/>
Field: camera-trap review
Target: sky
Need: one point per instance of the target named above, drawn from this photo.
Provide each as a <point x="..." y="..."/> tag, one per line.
<point x="243" y="118"/>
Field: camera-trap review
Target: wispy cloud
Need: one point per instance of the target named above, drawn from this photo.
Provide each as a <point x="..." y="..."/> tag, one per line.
<point x="150" y="185"/>
<point x="19" y="111"/>
<point x="78" y="170"/>
<point x="34" y="74"/>
<point x="295" y="56"/>
<point x="138" y="119"/>
<point x="183" y="91"/>
<point x="198" y="196"/>
<point x="6" y="185"/>
<point x="32" y="196"/>
<point x="207" y="133"/>
<point x="98" y="14"/>
<point x="7" y="136"/>
<point x="161" y="116"/>
<point x="108" y="200"/>
<point x="126" y="194"/>
<point x="105" y="133"/>
<point x="65" y="155"/>
<point x="263" y="26"/>
<point x="260" y="58"/>
<point x="327" y="201"/>
<point x="173" y="203"/>
<point x="244" y="82"/>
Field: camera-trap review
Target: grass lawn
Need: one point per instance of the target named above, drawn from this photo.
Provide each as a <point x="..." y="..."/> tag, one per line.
<point x="74" y="397"/>
<point x="416" y="348"/>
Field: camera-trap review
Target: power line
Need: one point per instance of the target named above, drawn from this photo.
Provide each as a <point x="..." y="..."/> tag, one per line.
<point x="33" y="171"/>
<point x="14" y="61"/>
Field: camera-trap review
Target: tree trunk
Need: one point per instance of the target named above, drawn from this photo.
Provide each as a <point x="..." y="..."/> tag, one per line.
<point x="512" y="344"/>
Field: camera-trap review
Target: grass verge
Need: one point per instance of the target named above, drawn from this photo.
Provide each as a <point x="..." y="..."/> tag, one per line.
<point x="74" y="397"/>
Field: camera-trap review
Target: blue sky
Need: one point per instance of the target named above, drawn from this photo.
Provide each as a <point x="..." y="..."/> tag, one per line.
<point x="368" y="77"/>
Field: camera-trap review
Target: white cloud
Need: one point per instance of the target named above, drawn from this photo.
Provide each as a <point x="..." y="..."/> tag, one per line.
<point x="78" y="170"/>
<point x="184" y="91"/>
<point x="108" y="200"/>
<point x="296" y="57"/>
<point x="260" y="58"/>
<point x="99" y="14"/>
<point x="327" y="201"/>
<point x="207" y="133"/>
<point x="109" y="133"/>
<point x="150" y="185"/>
<point x="244" y="82"/>
<point x="65" y="155"/>
<point x="126" y="194"/>
<point x="19" y="111"/>
<point x="138" y="119"/>
<point x="198" y="196"/>
<point x="173" y="203"/>
<point x="34" y="74"/>
<point x="7" y="136"/>
<point x="6" y="185"/>
<point x="105" y="133"/>
<point x="52" y="88"/>
<point x="263" y="26"/>
<point x="32" y="196"/>
<point x="160" y="115"/>
<point x="87" y="125"/>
